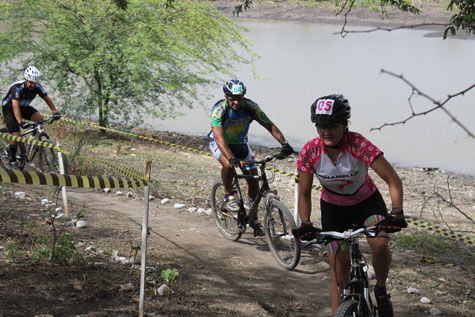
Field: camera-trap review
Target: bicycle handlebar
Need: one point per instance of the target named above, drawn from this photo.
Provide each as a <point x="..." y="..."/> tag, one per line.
<point x="49" y="121"/>
<point x="348" y="234"/>
<point x="324" y="236"/>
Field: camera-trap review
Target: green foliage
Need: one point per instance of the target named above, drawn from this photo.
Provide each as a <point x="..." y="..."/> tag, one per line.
<point x="434" y="246"/>
<point x="62" y="253"/>
<point x="464" y="18"/>
<point x="11" y="250"/>
<point x="116" y="64"/>
<point x="169" y="275"/>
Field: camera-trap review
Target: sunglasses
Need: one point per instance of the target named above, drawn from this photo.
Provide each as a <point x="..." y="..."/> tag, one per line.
<point x="235" y="98"/>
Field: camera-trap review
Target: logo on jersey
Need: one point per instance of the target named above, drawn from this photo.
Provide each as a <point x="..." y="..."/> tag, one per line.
<point x="237" y="89"/>
<point x="325" y="106"/>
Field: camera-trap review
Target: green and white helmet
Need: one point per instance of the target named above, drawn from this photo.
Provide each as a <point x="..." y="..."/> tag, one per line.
<point x="234" y="87"/>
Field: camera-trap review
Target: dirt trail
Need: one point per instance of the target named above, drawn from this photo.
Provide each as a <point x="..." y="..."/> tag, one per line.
<point x="234" y="278"/>
<point x="228" y="278"/>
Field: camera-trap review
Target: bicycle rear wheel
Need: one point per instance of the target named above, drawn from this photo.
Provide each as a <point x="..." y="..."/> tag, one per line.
<point x="4" y="155"/>
<point x="48" y="161"/>
<point x="348" y="308"/>
<point x="278" y="225"/>
<point x="226" y="221"/>
<point x="4" y="159"/>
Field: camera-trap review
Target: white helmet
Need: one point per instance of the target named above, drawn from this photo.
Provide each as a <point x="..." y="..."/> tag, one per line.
<point x="32" y="74"/>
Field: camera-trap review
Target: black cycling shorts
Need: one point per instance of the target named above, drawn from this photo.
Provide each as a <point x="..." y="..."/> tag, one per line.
<point x="341" y="218"/>
<point x="10" y="121"/>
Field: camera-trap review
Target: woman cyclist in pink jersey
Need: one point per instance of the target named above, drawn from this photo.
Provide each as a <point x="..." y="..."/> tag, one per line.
<point x="340" y="159"/>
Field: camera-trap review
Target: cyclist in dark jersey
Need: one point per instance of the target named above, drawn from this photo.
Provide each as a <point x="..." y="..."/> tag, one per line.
<point x="340" y="160"/>
<point x="230" y="120"/>
<point x="16" y="106"/>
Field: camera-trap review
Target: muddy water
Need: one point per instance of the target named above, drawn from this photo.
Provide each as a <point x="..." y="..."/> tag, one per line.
<point x="300" y="62"/>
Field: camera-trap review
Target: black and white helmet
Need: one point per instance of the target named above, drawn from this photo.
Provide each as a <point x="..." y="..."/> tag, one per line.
<point x="32" y="74"/>
<point x="330" y="109"/>
<point x="234" y="87"/>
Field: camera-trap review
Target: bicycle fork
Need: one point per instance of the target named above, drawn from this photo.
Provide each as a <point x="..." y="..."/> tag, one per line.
<point x="358" y="286"/>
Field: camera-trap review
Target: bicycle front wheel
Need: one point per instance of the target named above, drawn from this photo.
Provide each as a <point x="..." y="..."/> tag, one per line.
<point x="278" y="225"/>
<point x="48" y="161"/>
<point x="348" y="308"/>
<point x="226" y="221"/>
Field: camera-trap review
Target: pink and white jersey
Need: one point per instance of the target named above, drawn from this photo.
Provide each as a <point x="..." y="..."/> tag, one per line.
<point x="347" y="182"/>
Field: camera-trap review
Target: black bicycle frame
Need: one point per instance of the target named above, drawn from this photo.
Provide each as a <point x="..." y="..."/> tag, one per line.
<point x="263" y="190"/>
<point x="358" y="284"/>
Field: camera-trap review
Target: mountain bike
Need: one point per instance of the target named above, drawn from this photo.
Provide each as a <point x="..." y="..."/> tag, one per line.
<point x="278" y="221"/>
<point x="41" y="159"/>
<point x="355" y="299"/>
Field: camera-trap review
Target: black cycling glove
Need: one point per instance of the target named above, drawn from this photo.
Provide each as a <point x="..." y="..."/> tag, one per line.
<point x="56" y="116"/>
<point x="234" y="162"/>
<point x="24" y="125"/>
<point x="394" y="222"/>
<point x="286" y="151"/>
<point x="306" y="231"/>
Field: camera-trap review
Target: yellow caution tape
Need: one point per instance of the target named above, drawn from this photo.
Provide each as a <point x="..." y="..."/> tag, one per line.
<point x="126" y="171"/>
<point x="52" y="179"/>
<point x="136" y="136"/>
<point x="443" y="231"/>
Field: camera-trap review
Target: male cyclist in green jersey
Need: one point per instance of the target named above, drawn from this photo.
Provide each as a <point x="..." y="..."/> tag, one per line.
<point x="230" y="120"/>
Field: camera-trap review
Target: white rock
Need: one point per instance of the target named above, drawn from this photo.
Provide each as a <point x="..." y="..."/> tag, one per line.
<point x="178" y="206"/>
<point x="45" y="202"/>
<point x="425" y="300"/>
<point x="19" y="195"/>
<point x="163" y="290"/>
<point x="130" y="260"/>
<point x="201" y="210"/>
<point x="119" y="193"/>
<point x="59" y="209"/>
<point x="81" y="224"/>
<point x="107" y="190"/>
<point x="164" y="201"/>
<point x="435" y="311"/>
<point x="150" y="197"/>
<point x="413" y="290"/>
<point x="127" y="287"/>
<point x="209" y="211"/>
<point x="371" y="273"/>
<point x="62" y="217"/>
<point x="130" y="195"/>
<point x="192" y="209"/>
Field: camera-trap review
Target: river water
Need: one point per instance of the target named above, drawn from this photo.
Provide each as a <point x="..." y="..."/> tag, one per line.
<point x="302" y="61"/>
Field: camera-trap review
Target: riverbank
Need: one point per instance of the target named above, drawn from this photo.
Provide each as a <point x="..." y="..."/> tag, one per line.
<point x="432" y="12"/>
<point x="433" y="15"/>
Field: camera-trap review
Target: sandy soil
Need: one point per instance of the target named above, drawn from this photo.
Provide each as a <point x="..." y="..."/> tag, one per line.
<point x="217" y="277"/>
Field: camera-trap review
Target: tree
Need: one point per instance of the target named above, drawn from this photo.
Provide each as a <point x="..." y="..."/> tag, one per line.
<point x="121" y="62"/>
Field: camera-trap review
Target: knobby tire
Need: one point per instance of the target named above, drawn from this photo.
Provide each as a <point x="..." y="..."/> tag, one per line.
<point x="48" y="161"/>
<point x="348" y="308"/>
<point x="278" y="226"/>
<point x="226" y="221"/>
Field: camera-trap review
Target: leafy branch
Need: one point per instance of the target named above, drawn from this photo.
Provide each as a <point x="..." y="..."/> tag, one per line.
<point x="464" y="18"/>
<point x="438" y="105"/>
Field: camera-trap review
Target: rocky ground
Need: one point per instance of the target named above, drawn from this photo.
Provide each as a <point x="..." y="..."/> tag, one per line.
<point x="217" y="277"/>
